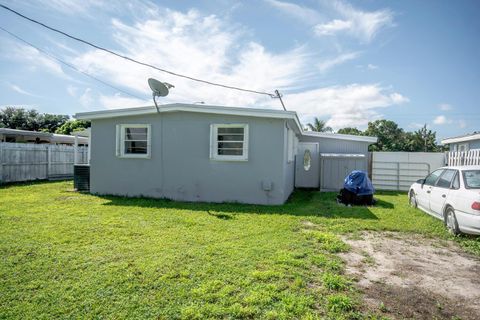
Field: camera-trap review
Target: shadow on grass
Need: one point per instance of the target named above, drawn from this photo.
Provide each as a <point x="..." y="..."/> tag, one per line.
<point x="301" y="203"/>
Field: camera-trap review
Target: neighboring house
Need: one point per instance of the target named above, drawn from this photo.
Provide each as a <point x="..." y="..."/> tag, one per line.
<point x="25" y="136"/>
<point x="463" y="143"/>
<point x="213" y="154"/>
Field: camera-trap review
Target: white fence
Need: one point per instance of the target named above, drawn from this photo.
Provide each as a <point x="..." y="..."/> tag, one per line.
<point x="25" y="162"/>
<point x="463" y="158"/>
<point x="398" y="170"/>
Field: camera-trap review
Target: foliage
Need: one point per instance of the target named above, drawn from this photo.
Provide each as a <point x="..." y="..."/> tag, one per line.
<point x="319" y="126"/>
<point x="73" y="126"/>
<point x="422" y="140"/>
<point x="75" y="255"/>
<point x="350" y="130"/>
<point x="390" y="136"/>
<point x="23" y="119"/>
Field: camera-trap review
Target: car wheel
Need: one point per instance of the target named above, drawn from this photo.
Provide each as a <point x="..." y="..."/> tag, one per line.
<point x="412" y="200"/>
<point x="451" y="221"/>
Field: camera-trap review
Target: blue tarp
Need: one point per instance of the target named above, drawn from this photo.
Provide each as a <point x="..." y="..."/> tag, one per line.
<point x="358" y="183"/>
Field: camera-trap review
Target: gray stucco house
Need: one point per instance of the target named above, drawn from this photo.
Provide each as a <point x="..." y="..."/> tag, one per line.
<point x="463" y="143"/>
<point x="215" y="154"/>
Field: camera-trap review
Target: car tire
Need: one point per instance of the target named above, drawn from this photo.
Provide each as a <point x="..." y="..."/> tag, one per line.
<point x="412" y="199"/>
<point x="451" y="221"/>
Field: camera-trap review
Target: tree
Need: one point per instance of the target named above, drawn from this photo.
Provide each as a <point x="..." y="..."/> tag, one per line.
<point x="422" y="140"/>
<point x="73" y="126"/>
<point x="350" y="130"/>
<point x="390" y="136"/>
<point x="319" y="126"/>
<point x="20" y="118"/>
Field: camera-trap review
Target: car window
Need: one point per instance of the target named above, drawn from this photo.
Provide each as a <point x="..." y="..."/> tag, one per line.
<point x="471" y="178"/>
<point x="446" y="179"/>
<point x="456" y="182"/>
<point x="433" y="177"/>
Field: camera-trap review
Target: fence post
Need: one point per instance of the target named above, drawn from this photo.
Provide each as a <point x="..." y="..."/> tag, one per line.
<point x="49" y="160"/>
<point x="398" y="176"/>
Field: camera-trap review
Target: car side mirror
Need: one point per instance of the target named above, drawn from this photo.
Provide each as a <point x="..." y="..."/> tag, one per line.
<point x="421" y="181"/>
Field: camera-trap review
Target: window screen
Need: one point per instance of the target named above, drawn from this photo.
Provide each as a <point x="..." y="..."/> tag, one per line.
<point x="136" y="141"/>
<point x="230" y="141"/>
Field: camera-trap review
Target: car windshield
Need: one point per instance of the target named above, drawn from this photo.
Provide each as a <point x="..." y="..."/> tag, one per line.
<point x="471" y="179"/>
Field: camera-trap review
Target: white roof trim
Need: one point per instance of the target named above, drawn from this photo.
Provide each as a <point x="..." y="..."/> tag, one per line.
<point x="249" y="112"/>
<point x="342" y="155"/>
<point x="339" y="136"/>
<point x="475" y="136"/>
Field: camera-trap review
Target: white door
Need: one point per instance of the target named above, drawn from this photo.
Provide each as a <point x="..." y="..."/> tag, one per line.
<point x="307" y="162"/>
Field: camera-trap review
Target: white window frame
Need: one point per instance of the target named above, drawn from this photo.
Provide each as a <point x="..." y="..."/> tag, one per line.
<point x="120" y="141"/>
<point x="463" y="146"/>
<point x="214" y="142"/>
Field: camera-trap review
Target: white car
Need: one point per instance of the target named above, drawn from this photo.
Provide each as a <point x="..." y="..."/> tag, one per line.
<point x="451" y="194"/>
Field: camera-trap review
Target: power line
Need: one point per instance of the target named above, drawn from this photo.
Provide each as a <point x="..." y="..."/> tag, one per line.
<point x="52" y="57"/>
<point x="271" y="95"/>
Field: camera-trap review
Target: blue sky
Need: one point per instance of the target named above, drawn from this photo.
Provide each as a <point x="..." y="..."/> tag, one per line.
<point x="347" y="62"/>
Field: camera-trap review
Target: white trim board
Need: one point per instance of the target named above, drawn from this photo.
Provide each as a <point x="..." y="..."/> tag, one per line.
<point x="475" y="136"/>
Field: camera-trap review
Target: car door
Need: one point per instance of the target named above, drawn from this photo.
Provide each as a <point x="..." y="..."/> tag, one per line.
<point x="439" y="192"/>
<point x="423" y="193"/>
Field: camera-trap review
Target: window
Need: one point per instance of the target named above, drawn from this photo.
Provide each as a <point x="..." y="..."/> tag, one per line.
<point x="456" y="182"/>
<point x="229" y="142"/>
<point x="471" y="178"/>
<point x="307" y="160"/>
<point x="433" y="177"/>
<point x="463" y="147"/>
<point x="446" y="179"/>
<point x="133" y="140"/>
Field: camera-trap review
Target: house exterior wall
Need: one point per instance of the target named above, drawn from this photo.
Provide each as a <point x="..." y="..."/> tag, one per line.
<point x="333" y="170"/>
<point x="180" y="167"/>
<point x="473" y="144"/>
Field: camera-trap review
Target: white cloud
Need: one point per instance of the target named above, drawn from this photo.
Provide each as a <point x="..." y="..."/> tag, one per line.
<point x="34" y="58"/>
<point x="328" y="64"/>
<point x="20" y="90"/>
<point x="372" y="66"/>
<point x="352" y="105"/>
<point x="72" y="91"/>
<point x="118" y="101"/>
<point x="445" y="107"/>
<point x="199" y="46"/>
<point x="441" y="120"/>
<point x="87" y="98"/>
<point x="332" y="27"/>
<point x="462" y="123"/>
<point x="363" y="25"/>
<point x="302" y="13"/>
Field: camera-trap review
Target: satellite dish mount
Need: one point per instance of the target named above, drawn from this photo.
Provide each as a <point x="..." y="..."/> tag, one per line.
<point x="159" y="89"/>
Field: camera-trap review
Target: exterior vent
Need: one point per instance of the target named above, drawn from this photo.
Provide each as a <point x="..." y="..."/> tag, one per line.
<point x="81" y="177"/>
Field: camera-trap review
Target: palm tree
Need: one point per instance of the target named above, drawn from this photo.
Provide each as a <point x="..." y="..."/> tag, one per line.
<point x="319" y="126"/>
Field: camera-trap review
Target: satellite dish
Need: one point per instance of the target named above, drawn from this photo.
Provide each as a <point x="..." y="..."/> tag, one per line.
<point x="159" y="89"/>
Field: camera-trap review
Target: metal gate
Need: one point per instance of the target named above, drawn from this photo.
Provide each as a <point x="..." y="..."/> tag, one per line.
<point x="335" y="167"/>
<point x="307" y="171"/>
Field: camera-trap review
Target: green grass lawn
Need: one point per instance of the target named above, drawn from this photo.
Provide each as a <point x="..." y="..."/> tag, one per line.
<point x="73" y="255"/>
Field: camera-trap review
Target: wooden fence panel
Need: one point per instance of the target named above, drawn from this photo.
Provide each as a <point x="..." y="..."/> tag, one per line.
<point x="25" y="162"/>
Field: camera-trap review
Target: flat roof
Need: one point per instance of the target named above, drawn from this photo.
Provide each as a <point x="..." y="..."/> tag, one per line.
<point x="466" y="137"/>
<point x="239" y="111"/>
<point x="350" y="137"/>
<point x="54" y="136"/>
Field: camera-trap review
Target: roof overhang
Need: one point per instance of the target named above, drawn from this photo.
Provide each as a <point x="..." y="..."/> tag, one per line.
<point x="179" y="107"/>
<point x="348" y="137"/>
<point x="470" y="137"/>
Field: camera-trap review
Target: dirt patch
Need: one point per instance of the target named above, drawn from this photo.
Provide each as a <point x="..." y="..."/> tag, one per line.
<point x="409" y="276"/>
